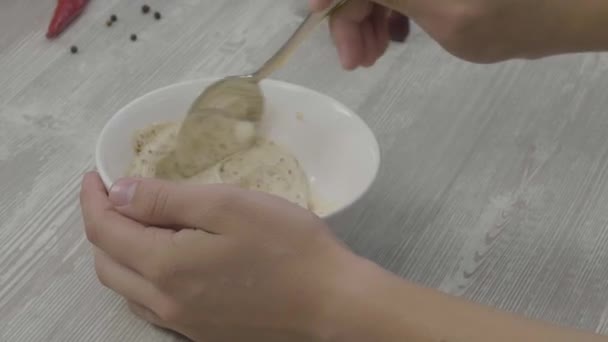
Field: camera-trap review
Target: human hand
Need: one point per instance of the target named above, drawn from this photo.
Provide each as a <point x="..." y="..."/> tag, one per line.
<point x="362" y="31"/>
<point x="215" y="263"/>
<point x="234" y="265"/>
<point x="481" y="31"/>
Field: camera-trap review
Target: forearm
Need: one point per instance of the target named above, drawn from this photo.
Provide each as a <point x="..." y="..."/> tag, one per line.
<point x="573" y="27"/>
<point x="549" y="27"/>
<point x="391" y="309"/>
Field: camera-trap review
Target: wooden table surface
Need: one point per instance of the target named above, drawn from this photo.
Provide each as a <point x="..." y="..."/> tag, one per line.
<point x="493" y="183"/>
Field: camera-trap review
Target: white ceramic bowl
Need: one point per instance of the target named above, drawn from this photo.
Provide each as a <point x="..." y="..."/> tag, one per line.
<point x="336" y="148"/>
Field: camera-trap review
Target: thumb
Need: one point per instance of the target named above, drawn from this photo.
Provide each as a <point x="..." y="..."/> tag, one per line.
<point x="169" y="204"/>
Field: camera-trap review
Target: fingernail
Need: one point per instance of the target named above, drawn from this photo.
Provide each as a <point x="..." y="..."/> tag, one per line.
<point x="122" y="192"/>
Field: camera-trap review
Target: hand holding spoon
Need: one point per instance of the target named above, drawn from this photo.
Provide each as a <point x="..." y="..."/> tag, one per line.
<point x="223" y="119"/>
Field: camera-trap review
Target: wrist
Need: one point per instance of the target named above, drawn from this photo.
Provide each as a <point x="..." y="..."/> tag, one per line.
<point x="366" y="303"/>
<point x="370" y="304"/>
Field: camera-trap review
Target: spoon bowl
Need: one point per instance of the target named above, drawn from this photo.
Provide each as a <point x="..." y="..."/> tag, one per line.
<point x="234" y="106"/>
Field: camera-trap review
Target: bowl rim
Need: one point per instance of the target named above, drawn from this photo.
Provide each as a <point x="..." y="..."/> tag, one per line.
<point x="101" y="168"/>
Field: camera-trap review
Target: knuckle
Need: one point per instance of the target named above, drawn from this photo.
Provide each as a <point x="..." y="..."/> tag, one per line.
<point x="162" y="265"/>
<point x="160" y="273"/>
<point x="169" y="311"/>
<point x="157" y="202"/>
<point x="156" y="274"/>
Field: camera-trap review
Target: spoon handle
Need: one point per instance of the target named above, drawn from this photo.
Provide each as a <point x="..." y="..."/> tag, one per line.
<point x="302" y="32"/>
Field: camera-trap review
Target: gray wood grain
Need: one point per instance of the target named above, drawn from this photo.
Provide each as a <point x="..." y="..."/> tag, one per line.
<point x="493" y="183"/>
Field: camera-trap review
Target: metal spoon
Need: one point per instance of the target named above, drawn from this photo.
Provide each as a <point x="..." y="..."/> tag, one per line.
<point x="229" y="105"/>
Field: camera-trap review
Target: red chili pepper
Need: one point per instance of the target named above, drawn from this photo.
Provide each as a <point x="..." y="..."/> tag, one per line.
<point x="65" y="13"/>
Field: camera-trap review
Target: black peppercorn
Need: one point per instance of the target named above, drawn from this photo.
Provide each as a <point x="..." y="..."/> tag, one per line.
<point x="113" y="18"/>
<point x="74" y="49"/>
<point x="145" y="9"/>
<point x="157" y="15"/>
<point x="133" y="37"/>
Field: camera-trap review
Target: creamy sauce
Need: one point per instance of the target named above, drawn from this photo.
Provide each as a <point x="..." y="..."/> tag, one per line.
<point x="218" y="143"/>
<point x="229" y="153"/>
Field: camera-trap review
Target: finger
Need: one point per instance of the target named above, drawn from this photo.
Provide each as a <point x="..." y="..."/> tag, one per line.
<point x="345" y="27"/>
<point x="126" y="282"/>
<point x="399" y="27"/>
<point x="124" y="240"/>
<point x="319" y="5"/>
<point x="370" y="47"/>
<point x="162" y="203"/>
<point x="380" y="24"/>
<point x="145" y="314"/>
<point x="349" y="43"/>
